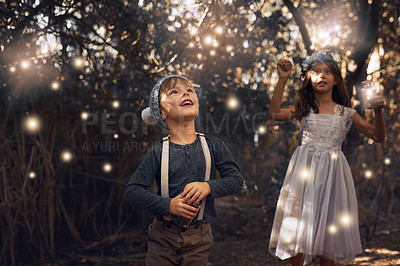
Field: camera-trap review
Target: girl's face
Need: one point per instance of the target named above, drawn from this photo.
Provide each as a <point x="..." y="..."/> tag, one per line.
<point x="322" y="78"/>
<point x="179" y="101"/>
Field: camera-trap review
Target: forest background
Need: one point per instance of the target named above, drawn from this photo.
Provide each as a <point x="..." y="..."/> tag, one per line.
<point x="75" y="76"/>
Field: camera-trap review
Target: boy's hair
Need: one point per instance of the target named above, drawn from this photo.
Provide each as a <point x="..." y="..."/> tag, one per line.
<point x="305" y="96"/>
<point x="171" y="82"/>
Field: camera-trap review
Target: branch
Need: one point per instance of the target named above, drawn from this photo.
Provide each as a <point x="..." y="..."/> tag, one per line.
<point x="184" y="46"/>
<point x="302" y="25"/>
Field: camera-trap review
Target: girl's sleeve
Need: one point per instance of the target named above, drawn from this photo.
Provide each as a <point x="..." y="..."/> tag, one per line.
<point x="136" y="191"/>
<point x="349" y="112"/>
<point x="231" y="180"/>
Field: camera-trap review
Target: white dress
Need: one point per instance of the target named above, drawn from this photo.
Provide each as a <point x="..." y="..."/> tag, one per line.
<point x="317" y="211"/>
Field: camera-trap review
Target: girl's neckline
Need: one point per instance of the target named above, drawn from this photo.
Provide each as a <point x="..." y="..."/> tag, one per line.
<point x="335" y="110"/>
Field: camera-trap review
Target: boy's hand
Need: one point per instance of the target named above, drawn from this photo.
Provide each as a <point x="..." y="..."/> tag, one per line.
<point x="195" y="192"/>
<point x="178" y="207"/>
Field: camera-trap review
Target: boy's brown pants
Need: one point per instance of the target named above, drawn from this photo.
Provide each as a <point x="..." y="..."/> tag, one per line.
<point x="168" y="245"/>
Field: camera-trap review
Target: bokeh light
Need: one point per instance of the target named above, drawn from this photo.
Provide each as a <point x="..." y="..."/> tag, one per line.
<point x="332" y="229"/>
<point x="368" y="174"/>
<point x="24" y="64"/>
<point x="84" y="115"/>
<point x="262" y="129"/>
<point x="55" y="85"/>
<point x="107" y="167"/>
<point x="115" y="104"/>
<point x="233" y="103"/>
<point x="66" y="156"/>
<point x="32" y="175"/>
<point x="345" y="219"/>
<point x="79" y="62"/>
<point x="32" y="124"/>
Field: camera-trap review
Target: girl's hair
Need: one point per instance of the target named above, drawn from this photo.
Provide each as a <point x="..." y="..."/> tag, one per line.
<point x="305" y="96"/>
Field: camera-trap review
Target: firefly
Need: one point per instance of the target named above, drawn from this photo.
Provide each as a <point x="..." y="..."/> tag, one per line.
<point x="107" y="167"/>
<point x="262" y="129"/>
<point x="115" y="104"/>
<point x="55" y="85"/>
<point x="368" y="174"/>
<point x="32" y="175"/>
<point x="32" y="124"/>
<point x="25" y="64"/>
<point x="66" y="156"/>
<point x="233" y="103"/>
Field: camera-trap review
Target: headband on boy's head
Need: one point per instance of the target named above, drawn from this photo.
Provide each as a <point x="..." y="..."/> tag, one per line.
<point x="314" y="59"/>
<point x="152" y="114"/>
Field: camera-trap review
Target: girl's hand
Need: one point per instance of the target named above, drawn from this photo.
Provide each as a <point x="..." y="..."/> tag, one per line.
<point x="178" y="207"/>
<point x="379" y="104"/>
<point x="195" y="192"/>
<point x="284" y="68"/>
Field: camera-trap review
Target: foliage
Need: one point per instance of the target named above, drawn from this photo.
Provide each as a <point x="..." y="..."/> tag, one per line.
<point x="85" y="68"/>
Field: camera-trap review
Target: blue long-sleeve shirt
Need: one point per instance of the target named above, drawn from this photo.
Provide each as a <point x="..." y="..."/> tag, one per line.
<point x="186" y="165"/>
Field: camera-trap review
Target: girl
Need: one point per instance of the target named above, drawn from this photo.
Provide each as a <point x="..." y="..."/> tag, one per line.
<point x="316" y="213"/>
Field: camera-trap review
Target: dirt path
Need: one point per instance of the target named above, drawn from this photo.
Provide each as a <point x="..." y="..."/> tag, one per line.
<point x="241" y="235"/>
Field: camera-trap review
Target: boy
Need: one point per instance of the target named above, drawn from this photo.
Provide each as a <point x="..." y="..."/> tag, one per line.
<point x="174" y="106"/>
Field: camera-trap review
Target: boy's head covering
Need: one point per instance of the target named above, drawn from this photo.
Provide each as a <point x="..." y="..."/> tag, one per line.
<point x="152" y="114"/>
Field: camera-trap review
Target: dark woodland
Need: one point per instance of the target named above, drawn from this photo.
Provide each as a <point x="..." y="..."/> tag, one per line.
<point x="76" y="74"/>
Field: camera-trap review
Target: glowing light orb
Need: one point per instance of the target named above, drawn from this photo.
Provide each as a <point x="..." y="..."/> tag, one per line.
<point x="387" y="161"/>
<point x="25" y="64"/>
<point x="199" y="56"/>
<point x="84" y="115"/>
<point x="288" y="240"/>
<point x="107" y="167"/>
<point x="345" y="219"/>
<point x="368" y="174"/>
<point x="262" y="129"/>
<point x="66" y="156"/>
<point x="212" y="52"/>
<point x="32" y="175"/>
<point x="55" y="85"/>
<point x="79" y="62"/>
<point x="332" y="229"/>
<point x="305" y="174"/>
<point x="116" y="136"/>
<point x="12" y="69"/>
<point x="233" y="103"/>
<point x="32" y="124"/>
<point x="193" y="31"/>
<point x="334" y="155"/>
<point x="218" y="30"/>
<point x="208" y="40"/>
<point x="229" y="48"/>
<point x="115" y="104"/>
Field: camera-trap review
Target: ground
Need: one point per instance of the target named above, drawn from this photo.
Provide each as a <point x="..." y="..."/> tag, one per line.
<point x="241" y="235"/>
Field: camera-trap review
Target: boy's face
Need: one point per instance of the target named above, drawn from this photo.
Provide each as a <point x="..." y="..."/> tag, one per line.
<point x="179" y="102"/>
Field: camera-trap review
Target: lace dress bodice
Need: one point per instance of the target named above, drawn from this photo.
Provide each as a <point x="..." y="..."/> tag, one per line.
<point x="324" y="132"/>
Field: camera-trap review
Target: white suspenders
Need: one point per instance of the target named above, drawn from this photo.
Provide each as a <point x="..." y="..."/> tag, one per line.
<point x="164" y="171"/>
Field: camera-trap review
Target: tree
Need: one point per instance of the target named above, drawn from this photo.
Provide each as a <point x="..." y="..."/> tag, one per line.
<point x="75" y="76"/>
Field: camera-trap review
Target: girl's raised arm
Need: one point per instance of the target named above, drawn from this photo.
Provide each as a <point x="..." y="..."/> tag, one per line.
<point x="376" y="132"/>
<point x="275" y="111"/>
